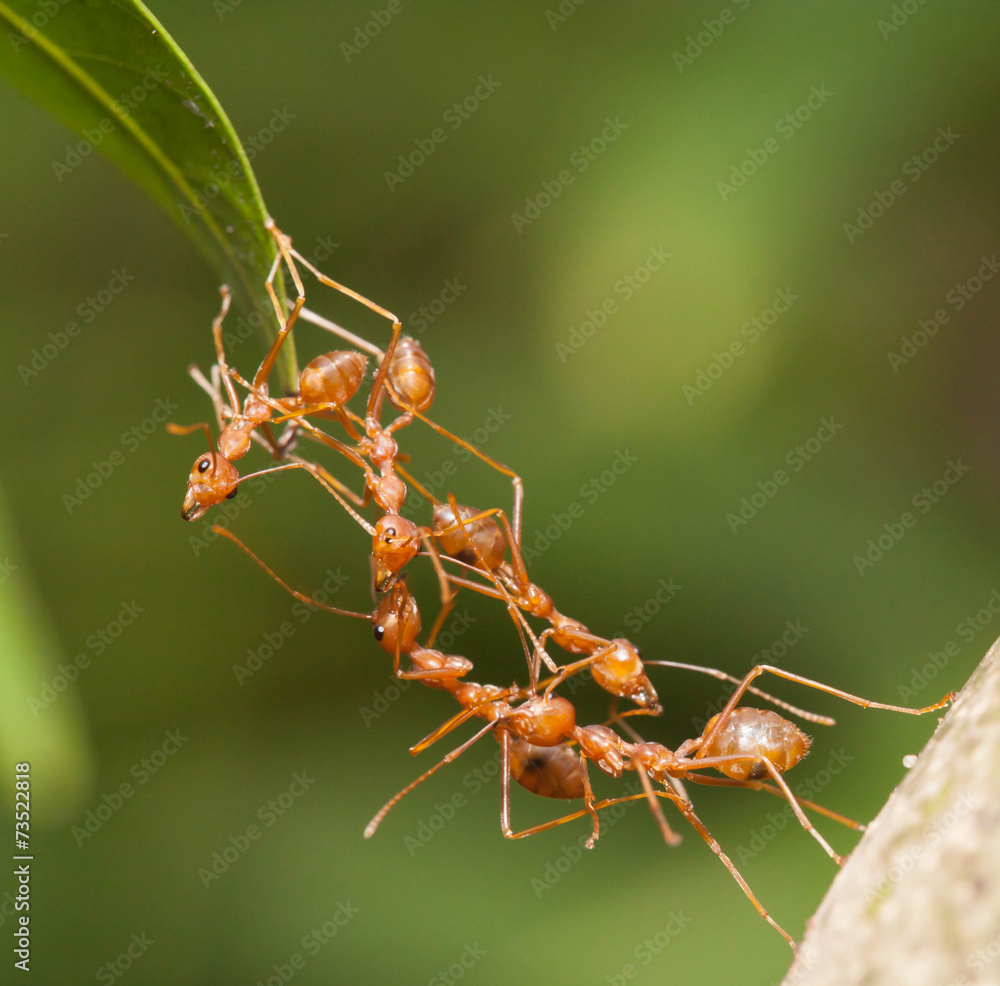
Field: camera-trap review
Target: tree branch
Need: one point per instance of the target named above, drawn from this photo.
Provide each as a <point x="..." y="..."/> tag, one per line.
<point x="918" y="902"/>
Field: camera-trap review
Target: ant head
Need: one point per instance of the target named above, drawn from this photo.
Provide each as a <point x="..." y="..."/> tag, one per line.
<point x="620" y="672"/>
<point x="395" y="542"/>
<point x="602" y="745"/>
<point x="655" y="759"/>
<point x="212" y="480"/>
<point x="396" y="620"/>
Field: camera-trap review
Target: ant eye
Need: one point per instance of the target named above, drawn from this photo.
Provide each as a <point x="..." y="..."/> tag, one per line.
<point x="638" y="653"/>
<point x="232" y="492"/>
<point x="379" y="632"/>
<point x="204" y="464"/>
<point x="390" y="532"/>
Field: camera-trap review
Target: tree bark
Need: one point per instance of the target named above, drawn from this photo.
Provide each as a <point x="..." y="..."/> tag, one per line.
<point x="918" y="902"/>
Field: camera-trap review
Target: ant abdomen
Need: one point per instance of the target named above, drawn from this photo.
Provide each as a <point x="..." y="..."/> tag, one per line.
<point x="756" y="733"/>
<point x="411" y="374"/>
<point x="478" y="542"/>
<point x="333" y="378"/>
<point x="548" y="771"/>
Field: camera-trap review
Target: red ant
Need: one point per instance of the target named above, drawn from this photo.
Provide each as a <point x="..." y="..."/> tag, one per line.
<point x="744" y="744"/>
<point x="405" y="374"/>
<point x="474" y="540"/>
<point x="409" y="382"/>
<point x="396" y="624"/>
<point x="213" y="478"/>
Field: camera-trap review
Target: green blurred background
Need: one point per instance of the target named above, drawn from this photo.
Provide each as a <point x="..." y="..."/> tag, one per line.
<point x="422" y="904"/>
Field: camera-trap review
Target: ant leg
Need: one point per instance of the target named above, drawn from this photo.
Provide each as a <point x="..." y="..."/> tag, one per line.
<point x="453" y="723"/>
<point x="762" y="786"/>
<point x="670" y="837"/>
<point x="722" y="676"/>
<point x="799" y="813"/>
<point x="286" y="443"/>
<point x="786" y="792"/>
<point x="411" y="480"/>
<point x="448" y="758"/>
<point x="375" y="395"/>
<point x="588" y="803"/>
<point x="570" y="669"/>
<point x="474" y="586"/>
<point x="618" y="716"/>
<point x="688" y="812"/>
<point x="516" y="480"/>
<point x="220" y="351"/>
<point x="325" y="479"/>
<point x="432" y="674"/>
<point x="331" y="283"/>
<point x="284" y="585"/>
<point x="362" y="499"/>
<point x="285" y="320"/>
<point x="329" y="479"/>
<point x="501" y="593"/>
<point x="175" y="429"/>
<point x="320" y="436"/>
<point x="512" y="607"/>
<point x="589" y="806"/>
<point x="338" y="446"/>
<point x="498" y="592"/>
<point x="345" y="334"/>
<point x="448" y="594"/>
<point x="573" y="816"/>
<point x="829" y="689"/>
<point x="352" y="432"/>
<point x="213" y="391"/>
<point x="324" y="410"/>
<point x="438" y="623"/>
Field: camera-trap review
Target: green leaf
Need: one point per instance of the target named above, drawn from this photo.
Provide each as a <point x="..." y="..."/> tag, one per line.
<point x="109" y="70"/>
